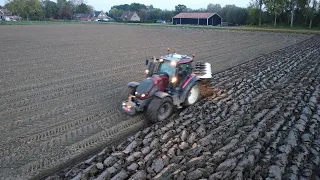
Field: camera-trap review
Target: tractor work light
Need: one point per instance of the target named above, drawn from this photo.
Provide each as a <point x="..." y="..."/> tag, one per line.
<point x="174" y="79"/>
<point x="173" y="63"/>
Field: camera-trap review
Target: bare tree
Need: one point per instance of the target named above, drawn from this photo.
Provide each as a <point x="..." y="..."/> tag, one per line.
<point x="260" y="11"/>
<point x="293" y="6"/>
<point x="312" y="12"/>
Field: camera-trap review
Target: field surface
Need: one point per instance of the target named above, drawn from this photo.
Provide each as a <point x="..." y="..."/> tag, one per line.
<point x="59" y="86"/>
<point x="263" y="124"/>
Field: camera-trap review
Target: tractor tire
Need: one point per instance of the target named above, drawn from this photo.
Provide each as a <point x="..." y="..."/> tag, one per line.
<point x="126" y="92"/>
<point x="159" y="109"/>
<point x="193" y="95"/>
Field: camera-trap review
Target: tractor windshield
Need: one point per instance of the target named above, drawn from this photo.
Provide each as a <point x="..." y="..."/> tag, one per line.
<point x="166" y="67"/>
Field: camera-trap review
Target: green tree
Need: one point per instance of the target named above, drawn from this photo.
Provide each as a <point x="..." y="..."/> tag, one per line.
<point x="34" y="8"/>
<point x="65" y="9"/>
<point x="143" y="14"/>
<point x="114" y="13"/>
<point x="26" y="8"/>
<point x="82" y="8"/>
<point x="260" y="2"/>
<point x="253" y="15"/>
<point x="124" y="7"/>
<point x="150" y="7"/>
<point x="18" y="7"/>
<point x="216" y="8"/>
<point x="137" y="7"/>
<point x="61" y="4"/>
<point x="275" y="7"/>
<point x="305" y="7"/>
<point x="166" y="15"/>
<point x="50" y="9"/>
<point x="292" y="6"/>
<point x="234" y="14"/>
<point x="153" y="14"/>
<point x="312" y="12"/>
<point x="72" y="5"/>
<point x="180" y="8"/>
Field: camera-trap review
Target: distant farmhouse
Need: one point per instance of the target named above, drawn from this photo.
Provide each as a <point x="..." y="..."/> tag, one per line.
<point x="83" y="16"/>
<point x="130" y="16"/>
<point x="206" y="19"/>
<point x="95" y="16"/>
<point x="100" y="15"/>
<point x="6" y="15"/>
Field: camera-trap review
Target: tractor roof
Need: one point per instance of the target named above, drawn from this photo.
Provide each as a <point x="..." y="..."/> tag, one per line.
<point x="180" y="59"/>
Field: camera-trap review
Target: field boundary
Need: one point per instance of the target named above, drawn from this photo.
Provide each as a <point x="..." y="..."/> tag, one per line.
<point x="240" y="28"/>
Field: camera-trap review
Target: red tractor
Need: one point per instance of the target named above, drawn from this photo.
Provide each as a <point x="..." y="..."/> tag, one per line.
<point x="172" y="81"/>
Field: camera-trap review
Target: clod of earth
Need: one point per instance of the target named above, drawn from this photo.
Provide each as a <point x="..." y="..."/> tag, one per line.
<point x="262" y="122"/>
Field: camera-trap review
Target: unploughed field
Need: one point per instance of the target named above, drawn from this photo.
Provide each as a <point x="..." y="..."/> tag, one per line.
<point x="59" y="102"/>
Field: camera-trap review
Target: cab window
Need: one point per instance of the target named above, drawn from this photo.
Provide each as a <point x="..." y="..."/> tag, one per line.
<point x="184" y="69"/>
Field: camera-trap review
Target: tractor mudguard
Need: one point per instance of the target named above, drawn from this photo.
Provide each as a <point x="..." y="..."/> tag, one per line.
<point x="133" y="84"/>
<point x="187" y="88"/>
<point x="161" y="94"/>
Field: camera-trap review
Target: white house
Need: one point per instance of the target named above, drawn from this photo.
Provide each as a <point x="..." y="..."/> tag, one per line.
<point x="130" y="16"/>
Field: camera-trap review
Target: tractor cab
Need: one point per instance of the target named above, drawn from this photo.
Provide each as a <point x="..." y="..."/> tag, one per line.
<point x="175" y="66"/>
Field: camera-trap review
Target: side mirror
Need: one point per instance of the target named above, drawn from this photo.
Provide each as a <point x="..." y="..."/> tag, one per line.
<point x="147" y="62"/>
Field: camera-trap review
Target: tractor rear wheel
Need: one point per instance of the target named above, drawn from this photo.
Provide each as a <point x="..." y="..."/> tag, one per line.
<point x="193" y="95"/>
<point x="159" y="109"/>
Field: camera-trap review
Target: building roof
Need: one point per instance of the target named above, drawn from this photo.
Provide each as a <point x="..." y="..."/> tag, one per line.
<point x="96" y="13"/>
<point x="82" y="15"/>
<point x="127" y="14"/>
<point x="195" y="15"/>
<point x="5" y="12"/>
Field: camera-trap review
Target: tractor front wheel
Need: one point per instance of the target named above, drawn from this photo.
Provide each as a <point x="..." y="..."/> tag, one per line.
<point x="159" y="109"/>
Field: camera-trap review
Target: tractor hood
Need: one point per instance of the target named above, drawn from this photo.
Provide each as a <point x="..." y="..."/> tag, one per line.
<point x="149" y="86"/>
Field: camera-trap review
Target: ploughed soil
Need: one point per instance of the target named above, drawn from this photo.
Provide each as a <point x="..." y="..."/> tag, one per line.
<point x="60" y="85"/>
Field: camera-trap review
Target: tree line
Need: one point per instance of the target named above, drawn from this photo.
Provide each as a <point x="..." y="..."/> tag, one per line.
<point x="230" y="13"/>
<point x="40" y="10"/>
<point x="258" y="12"/>
<point x="290" y="12"/>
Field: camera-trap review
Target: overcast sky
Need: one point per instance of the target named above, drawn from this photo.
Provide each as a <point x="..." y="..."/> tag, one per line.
<point x="105" y="5"/>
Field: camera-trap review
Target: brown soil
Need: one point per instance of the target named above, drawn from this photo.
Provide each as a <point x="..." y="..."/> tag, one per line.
<point x="59" y="87"/>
